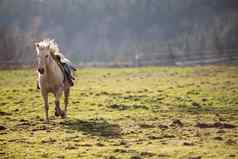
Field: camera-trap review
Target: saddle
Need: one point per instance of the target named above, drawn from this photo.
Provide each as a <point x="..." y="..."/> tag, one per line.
<point x="66" y="67"/>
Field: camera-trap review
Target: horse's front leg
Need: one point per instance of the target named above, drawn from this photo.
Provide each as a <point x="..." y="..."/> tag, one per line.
<point x="66" y="101"/>
<point x="45" y="97"/>
<point x="58" y="111"/>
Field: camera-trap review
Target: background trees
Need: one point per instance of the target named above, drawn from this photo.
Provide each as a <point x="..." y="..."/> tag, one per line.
<point x="118" y="31"/>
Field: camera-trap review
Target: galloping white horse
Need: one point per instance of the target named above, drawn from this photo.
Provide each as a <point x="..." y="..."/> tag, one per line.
<point x="51" y="77"/>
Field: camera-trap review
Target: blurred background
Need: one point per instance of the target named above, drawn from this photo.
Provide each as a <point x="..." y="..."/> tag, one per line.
<point x="121" y="32"/>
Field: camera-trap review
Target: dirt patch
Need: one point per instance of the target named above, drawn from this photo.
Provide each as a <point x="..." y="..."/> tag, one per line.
<point x="39" y="127"/>
<point x="2" y="127"/>
<point x="146" y="125"/>
<point x="176" y="123"/>
<point x="139" y="107"/>
<point x="218" y="138"/>
<point x="163" y="155"/>
<point x="84" y="145"/>
<point x="215" y="125"/>
<point x="163" y="127"/>
<point x="169" y="136"/>
<point x="119" y="107"/>
<point x="24" y="124"/>
<point x="48" y="141"/>
<point x="232" y="155"/>
<point x="187" y="143"/>
<point x="100" y="144"/>
<point x="195" y="157"/>
<point x="231" y="142"/>
<point x="134" y="97"/>
<point x="136" y="157"/>
<point x="154" y="137"/>
<point x="22" y="140"/>
<point x="147" y="154"/>
<point x="4" y="113"/>
<point x="121" y="151"/>
<point x="70" y="147"/>
<point x="61" y="157"/>
<point x="108" y="94"/>
<point x="126" y="107"/>
<point x="111" y="157"/>
<point x="221" y="131"/>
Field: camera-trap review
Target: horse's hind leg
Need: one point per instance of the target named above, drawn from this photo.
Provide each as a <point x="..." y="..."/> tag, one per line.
<point x="58" y="111"/>
<point x="66" y="101"/>
<point x="57" y="108"/>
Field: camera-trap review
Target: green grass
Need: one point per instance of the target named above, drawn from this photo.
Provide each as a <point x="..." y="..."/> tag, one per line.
<point x="149" y="112"/>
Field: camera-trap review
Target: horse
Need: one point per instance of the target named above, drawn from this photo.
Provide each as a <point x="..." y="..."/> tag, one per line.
<point x="51" y="77"/>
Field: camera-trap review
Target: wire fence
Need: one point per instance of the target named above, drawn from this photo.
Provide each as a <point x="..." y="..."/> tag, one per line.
<point x="228" y="56"/>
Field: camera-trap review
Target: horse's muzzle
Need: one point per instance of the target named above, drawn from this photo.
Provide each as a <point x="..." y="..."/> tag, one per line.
<point x="41" y="70"/>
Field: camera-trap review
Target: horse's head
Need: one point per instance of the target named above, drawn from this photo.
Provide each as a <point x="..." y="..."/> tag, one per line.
<point x="43" y="56"/>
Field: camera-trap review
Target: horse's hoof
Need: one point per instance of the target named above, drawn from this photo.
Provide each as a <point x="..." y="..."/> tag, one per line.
<point x="63" y="115"/>
<point x="56" y="113"/>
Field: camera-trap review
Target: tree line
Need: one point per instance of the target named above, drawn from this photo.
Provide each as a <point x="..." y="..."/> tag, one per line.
<point x="120" y="31"/>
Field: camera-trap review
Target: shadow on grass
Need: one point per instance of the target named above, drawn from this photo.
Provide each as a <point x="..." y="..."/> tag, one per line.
<point x="94" y="127"/>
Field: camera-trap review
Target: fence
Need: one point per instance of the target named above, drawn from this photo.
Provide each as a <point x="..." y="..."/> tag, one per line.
<point x="191" y="58"/>
<point x="160" y="58"/>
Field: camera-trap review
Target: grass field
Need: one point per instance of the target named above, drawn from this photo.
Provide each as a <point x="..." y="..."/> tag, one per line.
<point x="151" y="112"/>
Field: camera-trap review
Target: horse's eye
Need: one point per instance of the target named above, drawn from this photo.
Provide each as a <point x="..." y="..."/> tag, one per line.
<point x="46" y="56"/>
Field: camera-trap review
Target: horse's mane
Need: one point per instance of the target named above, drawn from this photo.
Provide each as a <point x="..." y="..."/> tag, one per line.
<point x="51" y="45"/>
<point x="54" y="51"/>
